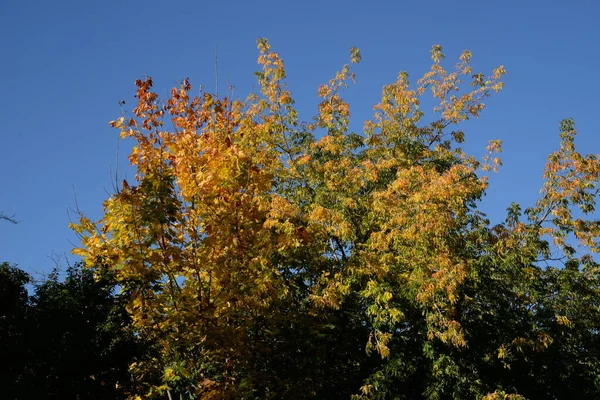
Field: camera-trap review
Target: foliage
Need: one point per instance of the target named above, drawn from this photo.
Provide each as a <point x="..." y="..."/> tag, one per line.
<point x="13" y="309"/>
<point x="71" y="340"/>
<point x="274" y="258"/>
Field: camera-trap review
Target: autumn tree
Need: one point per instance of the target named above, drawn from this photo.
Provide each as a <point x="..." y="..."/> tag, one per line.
<point x="276" y="258"/>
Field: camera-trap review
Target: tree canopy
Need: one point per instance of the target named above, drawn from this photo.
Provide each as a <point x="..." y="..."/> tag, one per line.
<point x="70" y="339"/>
<point x="270" y="257"/>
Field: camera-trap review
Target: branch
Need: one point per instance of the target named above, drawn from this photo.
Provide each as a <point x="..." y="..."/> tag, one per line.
<point x="10" y="218"/>
<point x="340" y="247"/>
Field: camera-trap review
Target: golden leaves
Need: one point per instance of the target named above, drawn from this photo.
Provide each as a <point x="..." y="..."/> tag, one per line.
<point x="436" y="53"/>
<point x="500" y="395"/>
<point x="569" y="195"/>
<point x="263" y="45"/>
<point x="564" y="321"/>
<point x="355" y="56"/>
<point x="236" y="202"/>
<point x="489" y="161"/>
<point x="378" y="341"/>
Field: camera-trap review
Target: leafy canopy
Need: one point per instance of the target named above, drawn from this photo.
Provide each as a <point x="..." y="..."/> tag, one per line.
<point x="276" y="258"/>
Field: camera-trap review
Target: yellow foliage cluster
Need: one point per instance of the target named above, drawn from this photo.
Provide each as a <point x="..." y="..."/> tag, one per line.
<point x="234" y="200"/>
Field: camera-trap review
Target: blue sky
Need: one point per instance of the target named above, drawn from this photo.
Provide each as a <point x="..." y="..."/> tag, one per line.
<point x="66" y="64"/>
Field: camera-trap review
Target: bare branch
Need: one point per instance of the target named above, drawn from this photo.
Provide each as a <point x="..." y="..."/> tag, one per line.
<point x="9" y="218"/>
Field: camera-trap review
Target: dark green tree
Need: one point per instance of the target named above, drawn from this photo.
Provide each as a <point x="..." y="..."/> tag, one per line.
<point x="72" y="339"/>
<point x="14" y="310"/>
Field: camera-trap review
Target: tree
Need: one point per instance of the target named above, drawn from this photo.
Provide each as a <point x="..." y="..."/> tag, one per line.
<point x="87" y="343"/>
<point x="252" y="242"/>
<point x="71" y="340"/>
<point x="13" y="313"/>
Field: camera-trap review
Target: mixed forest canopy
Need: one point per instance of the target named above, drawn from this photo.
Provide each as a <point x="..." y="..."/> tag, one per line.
<point x="267" y="257"/>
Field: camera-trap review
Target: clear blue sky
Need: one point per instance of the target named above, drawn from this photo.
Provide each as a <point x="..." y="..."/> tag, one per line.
<point x="66" y="64"/>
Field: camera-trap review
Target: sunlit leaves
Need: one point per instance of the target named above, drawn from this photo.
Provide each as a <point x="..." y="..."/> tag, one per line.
<point x="243" y="220"/>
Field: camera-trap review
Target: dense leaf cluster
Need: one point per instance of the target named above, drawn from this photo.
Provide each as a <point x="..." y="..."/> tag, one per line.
<point x="72" y="339"/>
<point x="273" y="258"/>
